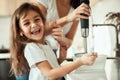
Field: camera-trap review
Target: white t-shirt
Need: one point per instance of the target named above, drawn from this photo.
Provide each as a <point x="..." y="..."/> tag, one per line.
<point x="35" y="53"/>
<point x="52" y="14"/>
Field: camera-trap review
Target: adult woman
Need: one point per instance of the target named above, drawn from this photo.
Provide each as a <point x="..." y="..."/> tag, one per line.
<point x="63" y="12"/>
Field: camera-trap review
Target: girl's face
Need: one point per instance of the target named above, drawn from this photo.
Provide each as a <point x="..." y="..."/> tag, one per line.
<point x="32" y="26"/>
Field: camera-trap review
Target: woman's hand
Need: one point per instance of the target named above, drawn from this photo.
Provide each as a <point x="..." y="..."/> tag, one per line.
<point x="82" y="9"/>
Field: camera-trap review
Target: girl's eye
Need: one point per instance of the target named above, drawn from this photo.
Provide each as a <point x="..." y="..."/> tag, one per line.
<point x="26" y="23"/>
<point x="37" y="19"/>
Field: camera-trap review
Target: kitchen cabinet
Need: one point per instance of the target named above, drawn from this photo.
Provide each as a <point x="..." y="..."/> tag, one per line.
<point x="7" y="7"/>
<point x="5" y="70"/>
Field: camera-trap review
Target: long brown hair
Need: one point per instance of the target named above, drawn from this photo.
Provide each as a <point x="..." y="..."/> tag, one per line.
<point x="19" y="64"/>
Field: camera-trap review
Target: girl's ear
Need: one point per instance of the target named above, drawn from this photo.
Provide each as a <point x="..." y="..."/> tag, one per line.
<point x="21" y="34"/>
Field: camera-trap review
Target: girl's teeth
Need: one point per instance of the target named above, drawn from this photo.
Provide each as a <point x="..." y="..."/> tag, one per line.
<point x="34" y="32"/>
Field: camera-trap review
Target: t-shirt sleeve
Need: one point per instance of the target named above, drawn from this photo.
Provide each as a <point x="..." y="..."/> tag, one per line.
<point x="34" y="54"/>
<point x="44" y="2"/>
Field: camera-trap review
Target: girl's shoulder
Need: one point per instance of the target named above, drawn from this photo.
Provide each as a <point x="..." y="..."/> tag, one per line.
<point x="35" y="46"/>
<point x="31" y="45"/>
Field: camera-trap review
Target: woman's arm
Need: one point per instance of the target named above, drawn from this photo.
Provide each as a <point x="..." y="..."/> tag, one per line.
<point x="42" y="7"/>
<point x="72" y="31"/>
<point x="83" y="8"/>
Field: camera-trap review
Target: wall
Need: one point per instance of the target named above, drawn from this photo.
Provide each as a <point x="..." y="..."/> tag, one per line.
<point x="105" y="37"/>
<point x="99" y="11"/>
<point x="5" y="12"/>
<point x="11" y="6"/>
<point x="4" y="31"/>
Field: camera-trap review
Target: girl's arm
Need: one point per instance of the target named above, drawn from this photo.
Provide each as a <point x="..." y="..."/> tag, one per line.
<point x="54" y="73"/>
<point x="57" y="33"/>
<point x="63" y="41"/>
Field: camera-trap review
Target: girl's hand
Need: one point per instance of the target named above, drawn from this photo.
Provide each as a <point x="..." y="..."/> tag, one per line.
<point x="82" y="9"/>
<point x="57" y="33"/>
<point x="88" y="59"/>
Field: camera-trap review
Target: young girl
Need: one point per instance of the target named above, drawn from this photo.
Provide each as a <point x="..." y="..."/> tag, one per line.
<point x="29" y="50"/>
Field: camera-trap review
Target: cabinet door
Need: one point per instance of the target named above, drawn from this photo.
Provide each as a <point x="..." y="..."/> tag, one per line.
<point x="5" y="67"/>
<point x="7" y="7"/>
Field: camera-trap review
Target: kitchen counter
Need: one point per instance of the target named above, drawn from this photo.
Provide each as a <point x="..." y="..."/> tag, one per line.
<point x="4" y="55"/>
<point x="93" y="72"/>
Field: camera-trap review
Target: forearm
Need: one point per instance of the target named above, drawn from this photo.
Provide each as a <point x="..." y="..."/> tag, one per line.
<point x="67" y="42"/>
<point x="72" y="31"/>
<point x="63" y="70"/>
<point x="87" y="59"/>
<point x="63" y="50"/>
<point x="62" y="57"/>
<point x="62" y="21"/>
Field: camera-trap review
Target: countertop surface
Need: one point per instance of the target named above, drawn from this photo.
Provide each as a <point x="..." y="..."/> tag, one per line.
<point x="4" y="55"/>
<point x="84" y="72"/>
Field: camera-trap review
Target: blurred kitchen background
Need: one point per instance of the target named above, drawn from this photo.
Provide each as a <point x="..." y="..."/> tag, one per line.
<point x="103" y="42"/>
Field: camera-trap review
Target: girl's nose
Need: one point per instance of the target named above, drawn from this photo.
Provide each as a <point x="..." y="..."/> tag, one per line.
<point x="33" y="25"/>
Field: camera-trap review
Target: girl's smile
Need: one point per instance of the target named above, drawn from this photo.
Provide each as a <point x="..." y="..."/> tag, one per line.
<point x="35" y="32"/>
